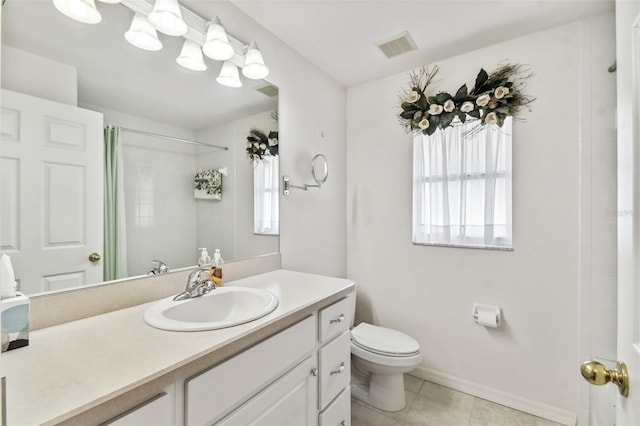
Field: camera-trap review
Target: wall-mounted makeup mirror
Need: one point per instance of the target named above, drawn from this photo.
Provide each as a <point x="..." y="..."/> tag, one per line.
<point x="319" y="169"/>
<point x="319" y="172"/>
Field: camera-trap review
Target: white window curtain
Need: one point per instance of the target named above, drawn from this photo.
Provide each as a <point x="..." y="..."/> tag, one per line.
<point x="462" y="186"/>
<point x="266" y="185"/>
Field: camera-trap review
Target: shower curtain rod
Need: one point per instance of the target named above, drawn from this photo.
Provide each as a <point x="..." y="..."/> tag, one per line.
<point x="171" y="138"/>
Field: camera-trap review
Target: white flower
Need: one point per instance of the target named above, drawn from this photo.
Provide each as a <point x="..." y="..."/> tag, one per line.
<point x="413" y="96"/>
<point x="449" y="105"/>
<point x="501" y="92"/>
<point x="467" y="107"/>
<point x="263" y="146"/>
<point x="256" y="145"/>
<point x="491" y="118"/>
<point x="483" y="100"/>
<point x="256" y="157"/>
<point x="435" y="109"/>
<point x="273" y="142"/>
<point x="423" y="124"/>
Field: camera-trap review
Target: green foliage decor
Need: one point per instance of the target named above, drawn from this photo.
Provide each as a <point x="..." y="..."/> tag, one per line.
<point x="493" y="98"/>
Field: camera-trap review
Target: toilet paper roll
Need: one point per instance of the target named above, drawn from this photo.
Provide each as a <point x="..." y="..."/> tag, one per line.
<point x="487" y="318"/>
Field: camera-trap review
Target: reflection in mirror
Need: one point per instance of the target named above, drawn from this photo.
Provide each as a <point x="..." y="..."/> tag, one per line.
<point x="87" y="77"/>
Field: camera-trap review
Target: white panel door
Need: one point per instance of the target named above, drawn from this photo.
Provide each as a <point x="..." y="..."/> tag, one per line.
<point x="51" y="192"/>
<point x="628" y="75"/>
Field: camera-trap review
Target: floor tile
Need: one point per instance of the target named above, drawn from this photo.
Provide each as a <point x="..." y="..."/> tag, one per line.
<point x="453" y="399"/>
<point x="435" y="405"/>
<point x="412" y="383"/>
<point x="485" y="413"/>
<point x="362" y="415"/>
<point x="431" y="412"/>
<point x="397" y="416"/>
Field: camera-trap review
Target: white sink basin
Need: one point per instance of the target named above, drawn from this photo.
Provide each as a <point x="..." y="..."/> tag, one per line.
<point x="220" y="308"/>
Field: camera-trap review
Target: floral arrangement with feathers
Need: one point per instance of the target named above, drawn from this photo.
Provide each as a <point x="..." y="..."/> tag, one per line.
<point x="493" y="98"/>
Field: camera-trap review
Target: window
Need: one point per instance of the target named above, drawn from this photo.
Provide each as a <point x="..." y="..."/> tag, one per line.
<point x="462" y="186"/>
<point x="265" y="196"/>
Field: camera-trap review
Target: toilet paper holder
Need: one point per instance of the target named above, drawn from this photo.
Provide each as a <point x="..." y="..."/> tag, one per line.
<point x="487" y="315"/>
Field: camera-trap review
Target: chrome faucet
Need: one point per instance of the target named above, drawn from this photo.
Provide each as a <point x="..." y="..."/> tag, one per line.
<point x="195" y="286"/>
<point x="160" y="268"/>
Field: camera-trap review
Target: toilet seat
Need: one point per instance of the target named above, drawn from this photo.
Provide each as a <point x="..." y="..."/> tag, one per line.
<point x="384" y="341"/>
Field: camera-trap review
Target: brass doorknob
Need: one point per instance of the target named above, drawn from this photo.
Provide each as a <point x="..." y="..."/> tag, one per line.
<point x="94" y="257"/>
<point x="597" y="374"/>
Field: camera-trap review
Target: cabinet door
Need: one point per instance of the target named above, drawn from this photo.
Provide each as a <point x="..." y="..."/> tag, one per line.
<point x="155" y="412"/>
<point x="290" y="401"/>
<point x="335" y="368"/>
<point x="213" y="394"/>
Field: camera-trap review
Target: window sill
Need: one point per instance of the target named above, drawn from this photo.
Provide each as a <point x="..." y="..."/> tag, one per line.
<point x="465" y="246"/>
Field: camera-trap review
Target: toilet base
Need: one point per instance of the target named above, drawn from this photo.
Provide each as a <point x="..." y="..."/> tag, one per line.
<point x="383" y="391"/>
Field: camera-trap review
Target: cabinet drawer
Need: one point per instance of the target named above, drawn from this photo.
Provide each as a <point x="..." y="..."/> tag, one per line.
<point x="338" y="413"/>
<point x="219" y="390"/>
<point x="335" y="368"/>
<point x="334" y="319"/>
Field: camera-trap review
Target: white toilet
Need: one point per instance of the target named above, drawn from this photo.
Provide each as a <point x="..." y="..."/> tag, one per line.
<point x="379" y="357"/>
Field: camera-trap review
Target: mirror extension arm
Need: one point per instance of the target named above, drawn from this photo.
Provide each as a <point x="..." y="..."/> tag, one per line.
<point x="319" y="171"/>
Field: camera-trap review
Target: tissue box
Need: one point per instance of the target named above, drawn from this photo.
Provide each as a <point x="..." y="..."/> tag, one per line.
<point x="15" y="322"/>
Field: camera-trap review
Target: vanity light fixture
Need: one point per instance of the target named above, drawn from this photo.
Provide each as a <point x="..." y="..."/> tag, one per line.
<point x="142" y="35"/>
<point x="191" y="57"/>
<point x="229" y="75"/>
<point x="217" y="44"/>
<point x="254" y="67"/>
<point x="166" y="17"/>
<point x="79" y="10"/>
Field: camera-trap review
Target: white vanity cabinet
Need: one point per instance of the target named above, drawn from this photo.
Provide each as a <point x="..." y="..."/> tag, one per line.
<point x="300" y="376"/>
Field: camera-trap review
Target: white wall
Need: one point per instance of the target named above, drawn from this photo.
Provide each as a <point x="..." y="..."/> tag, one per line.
<point x="169" y="233"/>
<point x="312" y="223"/>
<point x="233" y="215"/>
<point x="37" y="76"/>
<point x="531" y="362"/>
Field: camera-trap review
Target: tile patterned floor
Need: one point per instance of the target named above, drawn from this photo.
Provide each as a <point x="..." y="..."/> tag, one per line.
<point x="430" y="404"/>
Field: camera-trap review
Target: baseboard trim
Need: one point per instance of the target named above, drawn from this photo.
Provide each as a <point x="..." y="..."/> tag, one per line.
<point x="545" y="411"/>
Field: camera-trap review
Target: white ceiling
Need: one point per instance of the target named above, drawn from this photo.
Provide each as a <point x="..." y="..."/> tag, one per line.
<point x="340" y="36"/>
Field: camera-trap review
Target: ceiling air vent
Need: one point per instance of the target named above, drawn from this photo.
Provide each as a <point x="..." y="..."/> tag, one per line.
<point x="268" y="90"/>
<point x="397" y="45"/>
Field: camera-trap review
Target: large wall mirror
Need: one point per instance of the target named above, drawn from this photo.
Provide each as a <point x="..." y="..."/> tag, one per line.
<point x="133" y="89"/>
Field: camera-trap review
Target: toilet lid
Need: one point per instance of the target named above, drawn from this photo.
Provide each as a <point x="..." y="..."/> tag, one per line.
<point x="384" y="341"/>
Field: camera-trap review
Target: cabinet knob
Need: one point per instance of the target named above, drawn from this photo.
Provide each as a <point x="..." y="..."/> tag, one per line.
<point x="339" y="319"/>
<point x="339" y="370"/>
<point x="314" y="371"/>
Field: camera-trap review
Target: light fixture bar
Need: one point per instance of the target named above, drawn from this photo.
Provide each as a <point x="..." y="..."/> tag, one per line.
<point x="196" y="27"/>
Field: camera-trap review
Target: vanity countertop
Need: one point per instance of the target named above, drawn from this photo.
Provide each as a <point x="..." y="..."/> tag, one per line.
<point x="74" y="367"/>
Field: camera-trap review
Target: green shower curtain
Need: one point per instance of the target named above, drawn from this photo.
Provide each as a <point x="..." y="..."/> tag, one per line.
<point x="115" y="237"/>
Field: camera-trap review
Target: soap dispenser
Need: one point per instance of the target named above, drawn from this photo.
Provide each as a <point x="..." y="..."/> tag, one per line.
<point x="216" y="271"/>
<point x="204" y="257"/>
